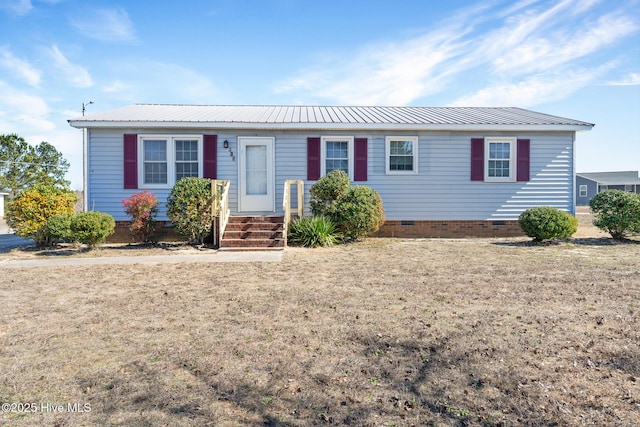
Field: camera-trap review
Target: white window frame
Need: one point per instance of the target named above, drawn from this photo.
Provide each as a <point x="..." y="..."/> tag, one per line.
<point x="323" y="153"/>
<point x="171" y="158"/>
<point x="583" y="190"/>
<point x="387" y="150"/>
<point x="512" y="158"/>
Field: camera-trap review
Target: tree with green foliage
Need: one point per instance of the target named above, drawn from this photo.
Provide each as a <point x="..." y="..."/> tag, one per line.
<point x="22" y="165"/>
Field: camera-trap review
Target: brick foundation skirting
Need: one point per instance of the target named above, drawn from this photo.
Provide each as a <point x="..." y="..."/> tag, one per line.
<point x="408" y="229"/>
<point x="449" y="229"/>
<point x="164" y="233"/>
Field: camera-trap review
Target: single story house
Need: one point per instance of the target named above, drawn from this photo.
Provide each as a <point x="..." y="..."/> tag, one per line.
<point x="441" y="172"/>
<point x="591" y="183"/>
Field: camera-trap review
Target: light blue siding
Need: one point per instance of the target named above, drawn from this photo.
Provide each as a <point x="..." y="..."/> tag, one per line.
<point x="442" y="190"/>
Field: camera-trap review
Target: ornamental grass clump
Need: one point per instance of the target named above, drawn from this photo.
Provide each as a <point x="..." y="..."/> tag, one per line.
<point x="142" y="207"/>
<point x="312" y="232"/>
<point x="547" y="223"/>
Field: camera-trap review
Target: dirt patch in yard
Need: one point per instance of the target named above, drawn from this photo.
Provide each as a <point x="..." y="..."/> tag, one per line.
<point x="492" y="332"/>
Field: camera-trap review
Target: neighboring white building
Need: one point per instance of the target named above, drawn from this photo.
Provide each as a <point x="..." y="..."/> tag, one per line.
<point x="2" y="203"/>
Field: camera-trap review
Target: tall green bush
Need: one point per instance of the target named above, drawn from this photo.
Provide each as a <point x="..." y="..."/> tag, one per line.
<point x="356" y="211"/>
<point x="189" y="208"/>
<point x="92" y="228"/>
<point x="29" y="212"/>
<point x="617" y="212"/>
<point x="327" y="191"/>
<point x="359" y="212"/>
<point x="546" y="223"/>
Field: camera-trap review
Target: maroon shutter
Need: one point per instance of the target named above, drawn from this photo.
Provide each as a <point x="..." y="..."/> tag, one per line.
<point x="313" y="159"/>
<point x="210" y="156"/>
<point x="360" y="159"/>
<point x="477" y="159"/>
<point x="130" y="161"/>
<point x="523" y="164"/>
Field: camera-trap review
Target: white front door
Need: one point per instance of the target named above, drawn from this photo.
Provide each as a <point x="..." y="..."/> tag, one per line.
<point x="256" y="174"/>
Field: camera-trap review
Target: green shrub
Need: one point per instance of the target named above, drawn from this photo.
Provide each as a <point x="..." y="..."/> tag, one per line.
<point x="617" y="212"/>
<point x="545" y="223"/>
<point x="358" y="212"/>
<point x="312" y="232"/>
<point x="327" y="190"/>
<point x="59" y="228"/>
<point x="29" y="212"/>
<point x="189" y="208"/>
<point x="92" y="228"/>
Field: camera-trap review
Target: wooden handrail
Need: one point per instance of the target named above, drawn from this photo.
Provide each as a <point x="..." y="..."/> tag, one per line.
<point x="286" y="204"/>
<point x="219" y="207"/>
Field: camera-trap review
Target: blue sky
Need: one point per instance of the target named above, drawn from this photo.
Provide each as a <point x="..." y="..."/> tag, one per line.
<point x="574" y="58"/>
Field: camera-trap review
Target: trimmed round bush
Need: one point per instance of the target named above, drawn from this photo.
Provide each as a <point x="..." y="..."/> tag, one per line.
<point x="617" y="212"/>
<point x="358" y="212"/>
<point x="189" y="209"/>
<point x="29" y="212"/>
<point x="546" y="223"/>
<point x="327" y="191"/>
<point x="92" y="228"/>
<point x="59" y="228"/>
<point x="312" y="232"/>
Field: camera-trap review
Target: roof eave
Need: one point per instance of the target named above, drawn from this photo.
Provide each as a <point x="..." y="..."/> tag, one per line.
<point x="80" y="124"/>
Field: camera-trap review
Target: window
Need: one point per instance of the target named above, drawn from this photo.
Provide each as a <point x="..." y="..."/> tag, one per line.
<point x="583" y="191"/>
<point x="602" y="187"/>
<point x="337" y="153"/>
<point x="186" y="158"/>
<point x="166" y="160"/>
<point x="499" y="155"/>
<point x="401" y="155"/>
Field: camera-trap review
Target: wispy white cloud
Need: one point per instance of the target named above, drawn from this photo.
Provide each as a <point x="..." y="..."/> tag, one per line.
<point x="74" y="74"/>
<point x="496" y="49"/>
<point x="631" y="79"/>
<point x="18" y="7"/>
<point x="109" y="25"/>
<point x="532" y="90"/>
<point x="30" y="111"/>
<point x="19" y="67"/>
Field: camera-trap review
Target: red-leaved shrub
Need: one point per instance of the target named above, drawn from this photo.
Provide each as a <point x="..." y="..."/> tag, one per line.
<point x="142" y="207"/>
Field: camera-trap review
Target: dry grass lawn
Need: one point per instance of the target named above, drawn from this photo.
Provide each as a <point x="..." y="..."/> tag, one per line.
<point x="387" y="332"/>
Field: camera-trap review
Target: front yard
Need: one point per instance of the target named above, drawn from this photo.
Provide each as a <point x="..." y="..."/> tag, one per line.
<point x="384" y="332"/>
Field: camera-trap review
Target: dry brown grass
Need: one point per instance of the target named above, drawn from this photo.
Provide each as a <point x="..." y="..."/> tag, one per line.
<point x="493" y="332"/>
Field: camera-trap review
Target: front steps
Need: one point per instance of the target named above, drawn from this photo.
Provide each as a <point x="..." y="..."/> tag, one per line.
<point x="253" y="233"/>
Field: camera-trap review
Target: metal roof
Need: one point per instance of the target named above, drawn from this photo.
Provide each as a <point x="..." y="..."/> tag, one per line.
<point x="327" y="117"/>
<point x="612" y="178"/>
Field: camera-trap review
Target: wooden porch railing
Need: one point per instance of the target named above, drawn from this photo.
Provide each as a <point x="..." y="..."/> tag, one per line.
<point x="286" y="204"/>
<point x="219" y="208"/>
